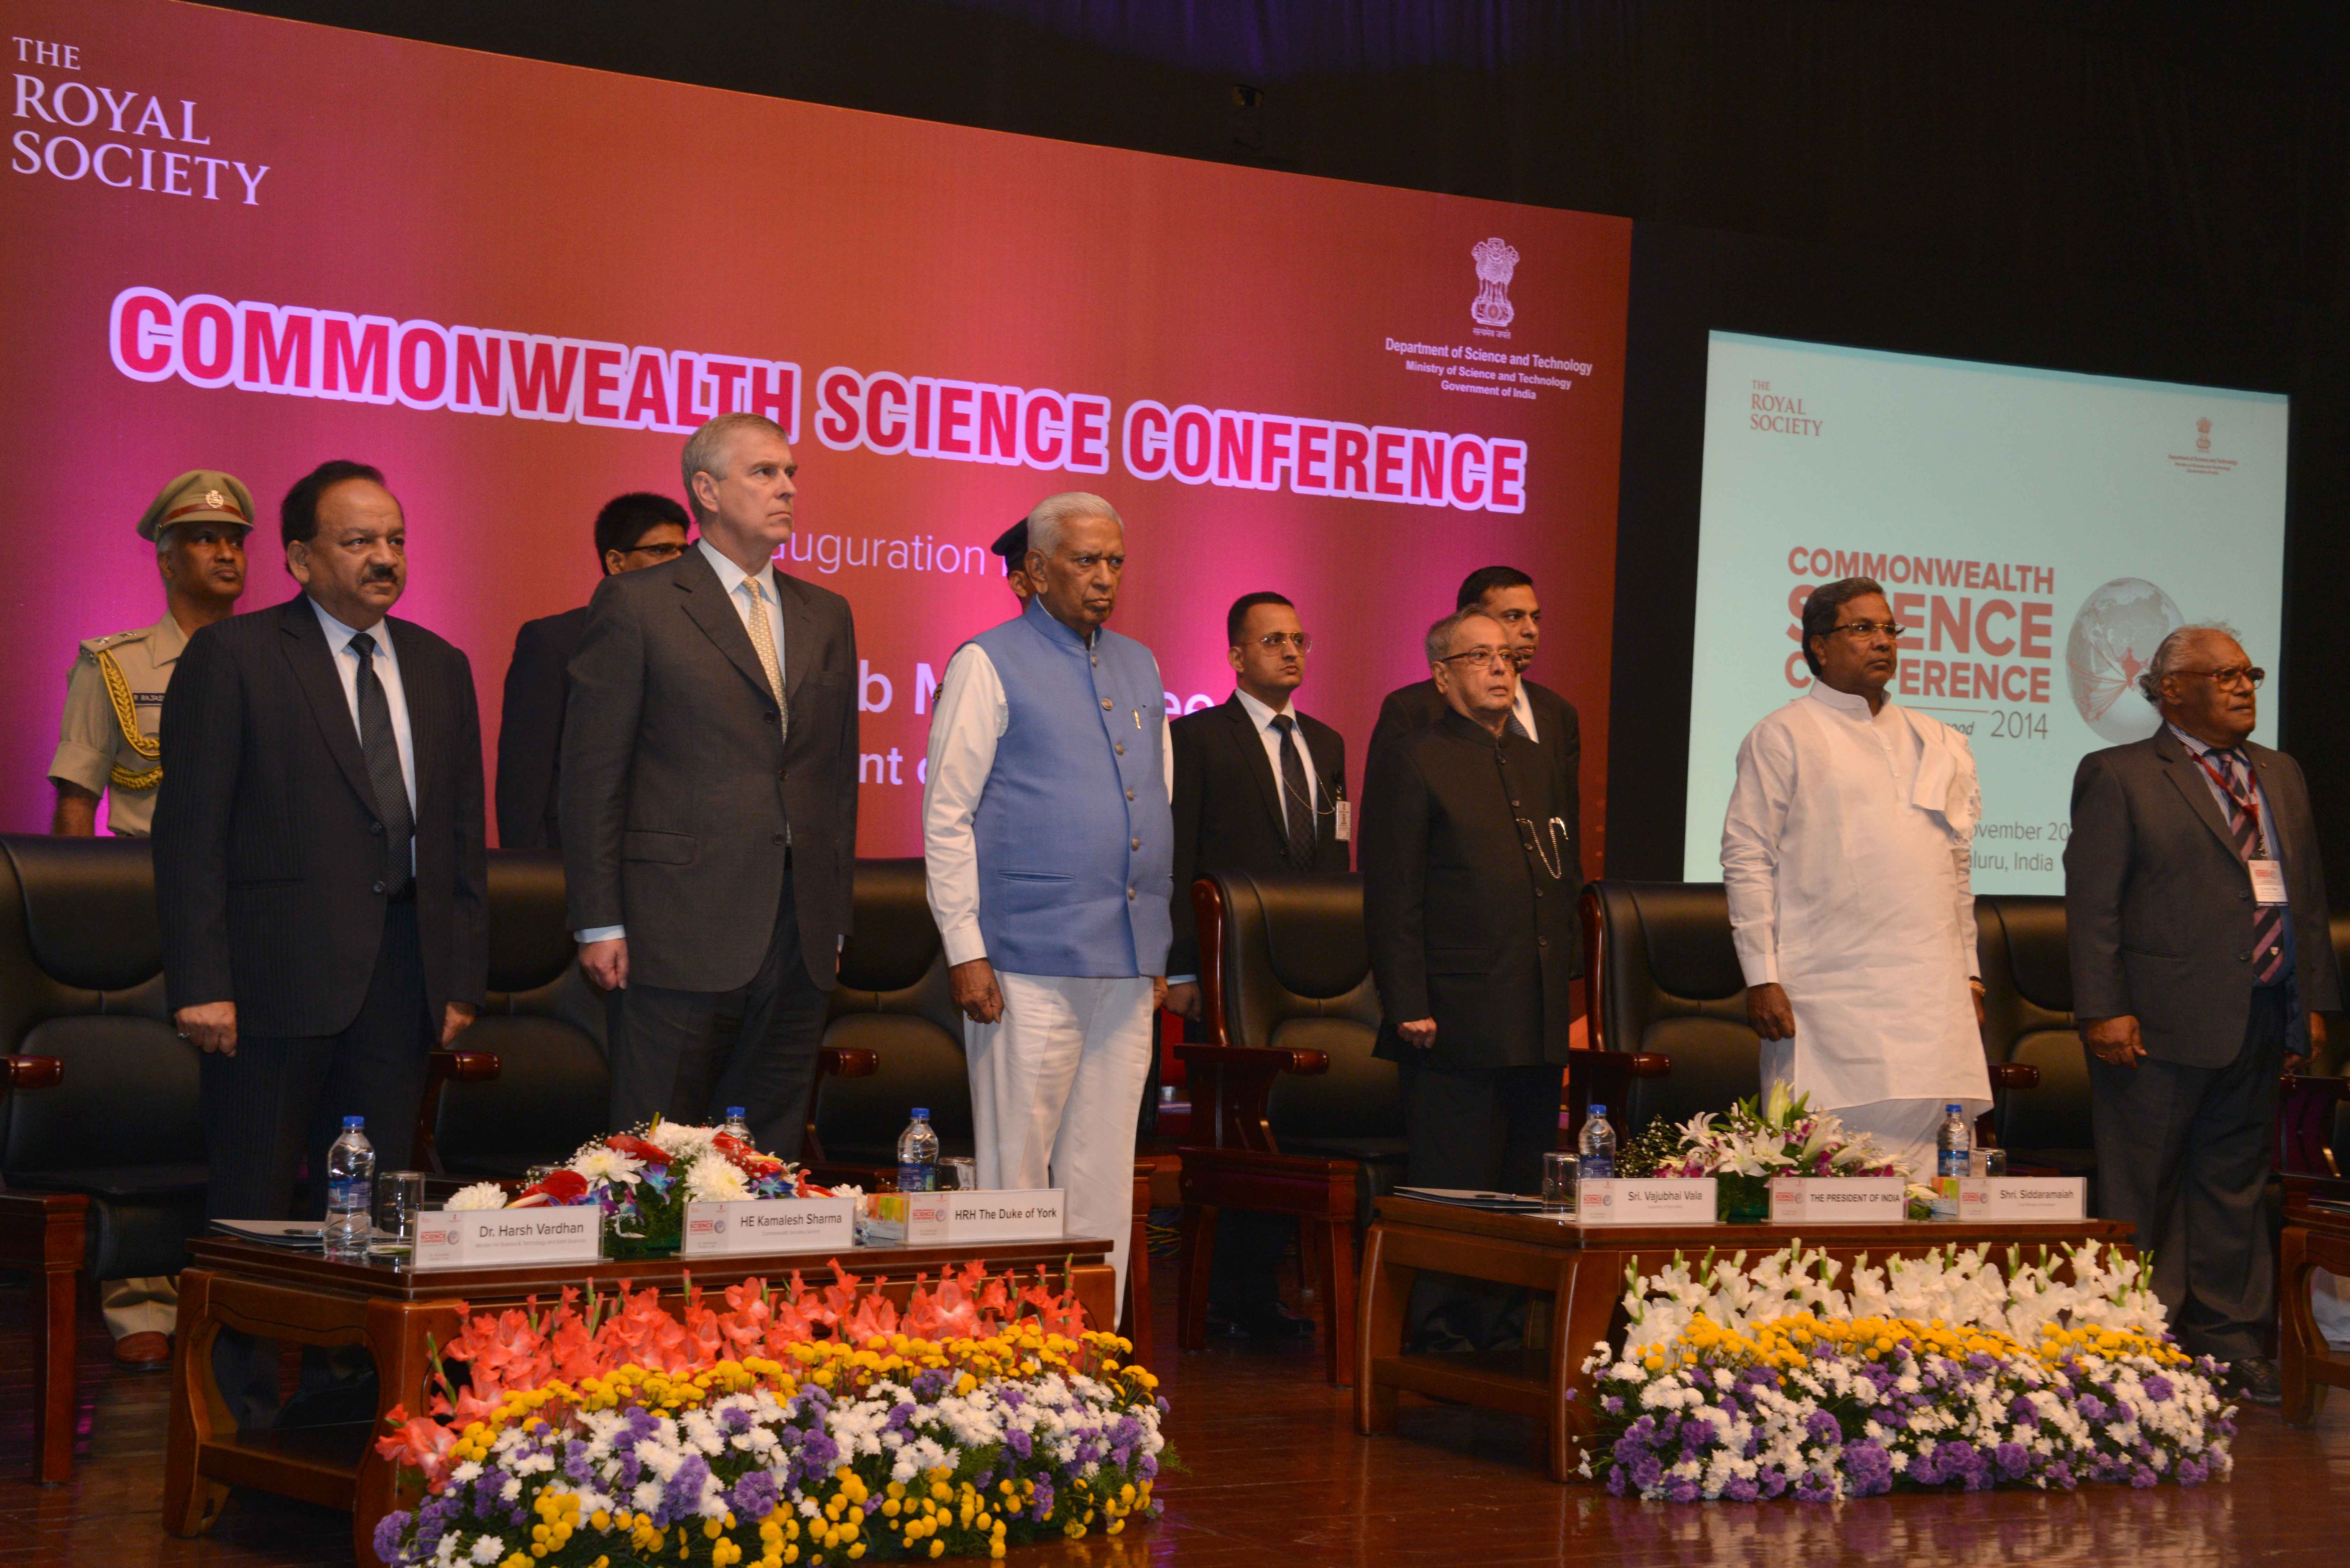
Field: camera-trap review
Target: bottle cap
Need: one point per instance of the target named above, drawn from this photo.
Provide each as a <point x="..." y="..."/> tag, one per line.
<point x="1954" y="1108"/>
<point x="350" y="1122"/>
<point x="1598" y="1111"/>
<point x="922" y="1113"/>
<point x="734" y="1113"/>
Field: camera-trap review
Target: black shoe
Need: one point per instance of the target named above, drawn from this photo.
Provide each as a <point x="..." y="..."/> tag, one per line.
<point x="2255" y="1379"/>
<point x="1265" y="1321"/>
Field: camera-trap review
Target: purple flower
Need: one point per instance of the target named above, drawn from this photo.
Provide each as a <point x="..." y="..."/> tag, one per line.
<point x="2012" y="1459"/>
<point x="387" y="1531"/>
<point x="1822" y="1428"/>
<point x="2092" y="1408"/>
<point x="1017" y="1439"/>
<point x="1815" y="1487"/>
<point x="1612" y="1405"/>
<point x="1680" y="1489"/>
<point x="2157" y="1387"/>
<point x="2142" y="1476"/>
<point x="2192" y="1472"/>
<point x="1737" y="1488"/>
<point x="1616" y="1481"/>
<point x="1647" y="1471"/>
<point x="754" y="1496"/>
<point x="1869" y="1466"/>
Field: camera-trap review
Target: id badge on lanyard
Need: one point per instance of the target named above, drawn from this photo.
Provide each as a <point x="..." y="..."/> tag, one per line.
<point x="2266" y="871"/>
<point x="2268" y="880"/>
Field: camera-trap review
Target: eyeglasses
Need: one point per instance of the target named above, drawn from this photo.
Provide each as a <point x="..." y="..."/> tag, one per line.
<point x="658" y="552"/>
<point x="1274" y="639"/>
<point x="2250" y="675"/>
<point x="1489" y="657"/>
<point x="1862" y="630"/>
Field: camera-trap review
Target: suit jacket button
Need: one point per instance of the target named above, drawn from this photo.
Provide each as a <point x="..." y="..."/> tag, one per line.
<point x="768" y="716"/>
<point x="1120" y="746"/>
<point x="379" y="887"/>
<point x="779" y="839"/>
<point x="783" y="774"/>
<point x="1130" y="794"/>
<point x="1136" y="843"/>
<point x="375" y="828"/>
<point x="1105" y="704"/>
<point x="1130" y="892"/>
<point x="2244" y="957"/>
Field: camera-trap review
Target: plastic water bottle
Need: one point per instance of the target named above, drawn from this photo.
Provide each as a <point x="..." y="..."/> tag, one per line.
<point x="350" y="1193"/>
<point x="735" y="1127"/>
<point x="918" y="1155"/>
<point x="1954" y="1160"/>
<point x="1597" y="1145"/>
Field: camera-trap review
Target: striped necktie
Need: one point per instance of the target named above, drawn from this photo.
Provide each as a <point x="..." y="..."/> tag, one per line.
<point x="2268" y="919"/>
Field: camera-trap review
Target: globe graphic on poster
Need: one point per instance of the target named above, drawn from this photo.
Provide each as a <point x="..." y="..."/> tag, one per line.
<point x="2114" y="638"/>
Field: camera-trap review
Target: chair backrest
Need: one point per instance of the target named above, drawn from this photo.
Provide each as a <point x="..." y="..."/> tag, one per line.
<point x="2027" y="976"/>
<point x="1294" y="973"/>
<point x="1662" y="977"/>
<point x="82" y="980"/>
<point x="542" y="1021"/>
<point x="892" y="1000"/>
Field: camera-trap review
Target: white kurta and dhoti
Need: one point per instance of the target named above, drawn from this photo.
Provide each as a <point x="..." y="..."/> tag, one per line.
<point x="1845" y="856"/>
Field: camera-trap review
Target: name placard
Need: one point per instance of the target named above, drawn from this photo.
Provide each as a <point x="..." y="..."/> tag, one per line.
<point x="903" y="1220"/>
<point x="2024" y="1198"/>
<point x="1838" y="1201"/>
<point x="474" y="1238"/>
<point x="769" y="1225"/>
<point x="1040" y="1214"/>
<point x="1646" y="1201"/>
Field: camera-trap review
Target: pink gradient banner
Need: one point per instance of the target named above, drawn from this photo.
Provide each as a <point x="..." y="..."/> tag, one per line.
<point x="237" y="243"/>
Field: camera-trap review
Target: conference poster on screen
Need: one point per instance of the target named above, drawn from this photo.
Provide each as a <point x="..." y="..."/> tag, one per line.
<point x="235" y="241"/>
<point x="2037" y="532"/>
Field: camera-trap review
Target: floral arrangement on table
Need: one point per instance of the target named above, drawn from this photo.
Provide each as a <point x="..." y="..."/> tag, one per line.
<point x="1746" y="1383"/>
<point x="644" y="1179"/>
<point x="797" y="1426"/>
<point x="1777" y="1135"/>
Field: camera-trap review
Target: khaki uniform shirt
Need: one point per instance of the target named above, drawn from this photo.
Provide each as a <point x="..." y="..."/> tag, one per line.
<point x="90" y="743"/>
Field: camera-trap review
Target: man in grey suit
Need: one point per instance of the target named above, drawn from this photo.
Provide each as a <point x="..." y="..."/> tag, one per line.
<point x="708" y="802"/>
<point x="2195" y="904"/>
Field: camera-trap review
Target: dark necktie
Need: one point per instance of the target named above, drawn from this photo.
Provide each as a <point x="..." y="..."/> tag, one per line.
<point x="381" y="749"/>
<point x="1297" y="795"/>
<point x="1517" y="726"/>
<point x="2268" y="919"/>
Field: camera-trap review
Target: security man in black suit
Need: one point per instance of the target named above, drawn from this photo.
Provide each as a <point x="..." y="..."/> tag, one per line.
<point x="2195" y="908"/>
<point x="1537" y="712"/>
<point x="319" y="871"/>
<point x="1259" y="787"/>
<point x="635" y="530"/>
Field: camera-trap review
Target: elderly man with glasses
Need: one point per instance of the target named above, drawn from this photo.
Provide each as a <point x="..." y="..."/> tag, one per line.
<point x="1845" y="854"/>
<point x="2195" y="903"/>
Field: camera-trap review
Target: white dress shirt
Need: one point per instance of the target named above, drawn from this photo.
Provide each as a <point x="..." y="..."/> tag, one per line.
<point x="730" y="578"/>
<point x="1524" y="709"/>
<point x="1844" y="854"/>
<point x="969" y="716"/>
<point x="387" y="671"/>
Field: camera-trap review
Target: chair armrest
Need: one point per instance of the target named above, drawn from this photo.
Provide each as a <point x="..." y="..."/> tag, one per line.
<point x="846" y="1061"/>
<point x="443" y="1067"/>
<point x="1302" y="1185"/>
<point x="1610" y="1073"/>
<point x="35" y="1072"/>
<point x="2014" y="1075"/>
<point x="2305" y="1122"/>
<point x="1231" y="1083"/>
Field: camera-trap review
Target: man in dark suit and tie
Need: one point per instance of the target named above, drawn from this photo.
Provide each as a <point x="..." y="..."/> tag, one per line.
<point x="2195" y="906"/>
<point x="319" y="872"/>
<point x="1537" y="712"/>
<point x="1259" y="786"/>
<point x="708" y="802"/>
<point x="633" y="531"/>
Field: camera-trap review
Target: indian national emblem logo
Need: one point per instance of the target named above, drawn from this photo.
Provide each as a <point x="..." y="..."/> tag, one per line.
<point x="1497" y="261"/>
<point x="2202" y="435"/>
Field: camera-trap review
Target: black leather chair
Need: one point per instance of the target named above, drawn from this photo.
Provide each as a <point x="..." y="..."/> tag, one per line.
<point x="82" y="981"/>
<point x="2028" y="1023"/>
<point x="531" y="1084"/>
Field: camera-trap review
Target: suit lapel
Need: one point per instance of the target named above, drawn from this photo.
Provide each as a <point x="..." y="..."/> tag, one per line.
<point x="707" y="604"/>
<point x="425" y="710"/>
<point x="799" y="634"/>
<point x="1246" y="736"/>
<point x="2188" y="775"/>
<point x="1321" y="746"/>
<point x="313" y="666"/>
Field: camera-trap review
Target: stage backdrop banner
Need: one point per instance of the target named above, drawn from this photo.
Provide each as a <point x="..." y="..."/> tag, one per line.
<point x="238" y="243"/>
<point x="2038" y="532"/>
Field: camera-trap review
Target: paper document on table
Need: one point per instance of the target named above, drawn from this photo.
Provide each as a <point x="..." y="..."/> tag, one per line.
<point x="1471" y="1197"/>
<point x="275" y="1233"/>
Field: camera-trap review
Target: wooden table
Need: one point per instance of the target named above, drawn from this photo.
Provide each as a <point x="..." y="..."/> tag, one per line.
<point x="1583" y="1269"/>
<point x="44" y="1233"/>
<point x="279" y="1294"/>
<point x="2314" y="1239"/>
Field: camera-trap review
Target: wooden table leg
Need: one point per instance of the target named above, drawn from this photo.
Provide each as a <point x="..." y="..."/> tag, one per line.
<point x="1594" y="1280"/>
<point x="1137" y="1270"/>
<point x="64" y="1234"/>
<point x="198" y="1412"/>
<point x="399" y="1335"/>
<point x="1194" y="1271"/>
<point x="1337" y="1252"/>
<point x="1380" y="1304"/>
<point x="2296" y="1329"/>
<point x="1095" y="1287"/>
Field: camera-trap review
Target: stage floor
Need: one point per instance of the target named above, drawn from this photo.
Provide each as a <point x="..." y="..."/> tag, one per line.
<point x="1277" y="1475"/>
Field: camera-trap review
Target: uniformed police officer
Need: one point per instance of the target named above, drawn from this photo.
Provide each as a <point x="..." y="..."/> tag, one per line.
<point x="108" y="743"/>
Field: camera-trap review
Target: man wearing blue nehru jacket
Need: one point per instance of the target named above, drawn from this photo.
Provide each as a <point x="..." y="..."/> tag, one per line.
<point x="1049" y="842"/>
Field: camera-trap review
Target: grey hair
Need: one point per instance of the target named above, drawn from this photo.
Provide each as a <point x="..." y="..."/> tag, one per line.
<point x="1440" y="636"/>
<point x="1053" y="515"/>
<point x="2166" y="653"/>
<point x="705" y="450"/>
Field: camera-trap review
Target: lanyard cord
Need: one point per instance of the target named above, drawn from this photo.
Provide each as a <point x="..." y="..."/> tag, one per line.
<point x="2250" y="809"/>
